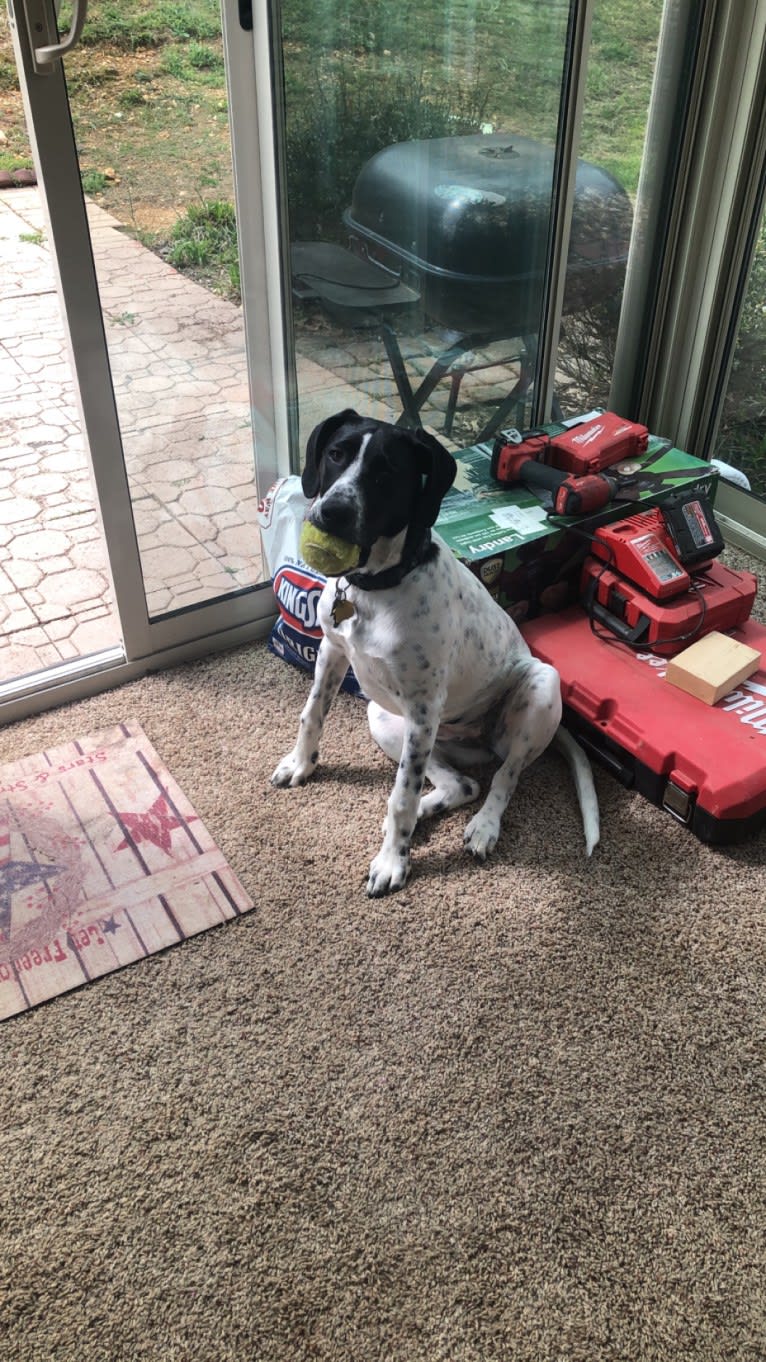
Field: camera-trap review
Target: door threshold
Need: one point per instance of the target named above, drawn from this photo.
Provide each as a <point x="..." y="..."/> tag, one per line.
<point x="85" y="676"/>
<point x="61" y="673"/>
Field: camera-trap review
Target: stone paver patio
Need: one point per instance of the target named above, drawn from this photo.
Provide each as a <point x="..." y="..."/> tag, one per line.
<point x="177" y="354"/>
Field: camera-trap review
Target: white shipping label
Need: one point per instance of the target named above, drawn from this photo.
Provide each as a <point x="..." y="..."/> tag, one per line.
<point x="522" y="519"/>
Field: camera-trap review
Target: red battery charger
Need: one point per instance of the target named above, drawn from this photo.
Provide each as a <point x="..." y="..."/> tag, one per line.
<point x="705" y="765"/>
<point x="639" y="548"/>
<point x="652" y="581"/>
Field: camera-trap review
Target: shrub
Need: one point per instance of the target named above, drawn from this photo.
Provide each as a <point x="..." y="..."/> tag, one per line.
<point x="342" y="120"/>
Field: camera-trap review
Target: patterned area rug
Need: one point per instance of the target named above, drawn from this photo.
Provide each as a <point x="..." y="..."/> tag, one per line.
<point x="102" y="861"/>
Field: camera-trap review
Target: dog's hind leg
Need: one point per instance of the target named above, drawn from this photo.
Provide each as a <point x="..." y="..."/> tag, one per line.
<point x="528" y="721"/>
<point x="451" y="788"/>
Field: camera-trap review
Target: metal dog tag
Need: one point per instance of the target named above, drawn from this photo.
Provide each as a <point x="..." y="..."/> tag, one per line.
<point x="341" y="609"/>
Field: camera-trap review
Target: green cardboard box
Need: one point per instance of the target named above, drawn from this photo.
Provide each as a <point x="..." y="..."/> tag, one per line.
<point x="529" y="561"/>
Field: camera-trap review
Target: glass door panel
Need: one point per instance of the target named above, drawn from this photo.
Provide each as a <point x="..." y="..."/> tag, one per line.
<point x="618" y="88"/>
<point x="55" y="595"/>
<point x="177" y="355"/>
<point x="741" y="439"/>
<point x="420" y="144"/>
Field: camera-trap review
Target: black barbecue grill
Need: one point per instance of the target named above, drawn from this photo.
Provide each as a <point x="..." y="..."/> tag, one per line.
<point x="463" y="223"/>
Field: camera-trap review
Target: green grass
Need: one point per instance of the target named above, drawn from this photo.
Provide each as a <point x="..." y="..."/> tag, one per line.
<point x="131" y="97"/>
<point x="173" y="62"/>
<point x="361" y="76"/>
<point x="742" y="435"/>
<point x="93" y="181"/>
<point x="205" y="237"/>
<point x="11" y="161"/>
<point x="204" y="58"/>
<point x="502" y="57"/>
<point x="8" y="77"/>
<point x="134" y="24"/>
<point x="193" y="62"/>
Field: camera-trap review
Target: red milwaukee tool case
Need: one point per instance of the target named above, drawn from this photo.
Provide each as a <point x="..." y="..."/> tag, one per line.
<point x="704" y="764"/>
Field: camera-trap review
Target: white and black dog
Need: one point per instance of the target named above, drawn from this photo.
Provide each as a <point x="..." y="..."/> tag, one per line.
<point x="448" y="676"/>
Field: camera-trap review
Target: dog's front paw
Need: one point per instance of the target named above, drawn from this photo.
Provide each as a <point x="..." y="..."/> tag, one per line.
<point x="481" y="835"/>
<point x="294" y="769"/>
<point x="388" y="872"/>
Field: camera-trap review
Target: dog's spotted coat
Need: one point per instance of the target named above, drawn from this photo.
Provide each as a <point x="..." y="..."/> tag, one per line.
<point x="448" y="676"/>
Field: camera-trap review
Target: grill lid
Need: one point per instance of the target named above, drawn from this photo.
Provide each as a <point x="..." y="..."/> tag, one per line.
<point x="478" y="207"/>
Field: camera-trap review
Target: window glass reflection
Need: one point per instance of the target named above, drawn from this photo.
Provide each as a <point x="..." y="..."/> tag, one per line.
<point x="741" y="440"/>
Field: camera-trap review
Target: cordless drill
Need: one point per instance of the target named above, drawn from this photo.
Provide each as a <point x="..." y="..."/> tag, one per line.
<point x="517" y="459"/>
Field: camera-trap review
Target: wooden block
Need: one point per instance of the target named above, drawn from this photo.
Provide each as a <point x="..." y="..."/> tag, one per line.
<point x="712" y="667"/>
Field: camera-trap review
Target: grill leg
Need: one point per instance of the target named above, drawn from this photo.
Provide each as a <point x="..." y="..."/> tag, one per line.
<point x="410" y="405"/>
<point x="456" y="379"/>
<point x="519" y="393"/>
<point x="515" y="399"/>
<point x="435" y="375"/>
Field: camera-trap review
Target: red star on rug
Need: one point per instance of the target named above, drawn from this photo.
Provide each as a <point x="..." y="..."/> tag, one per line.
<point x="154" y="826"/>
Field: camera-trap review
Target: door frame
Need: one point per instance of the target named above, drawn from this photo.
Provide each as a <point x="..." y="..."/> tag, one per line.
<point x="700" y="205"/>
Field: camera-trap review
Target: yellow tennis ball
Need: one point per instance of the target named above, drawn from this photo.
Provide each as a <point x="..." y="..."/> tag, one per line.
<point x="325" y="552"/>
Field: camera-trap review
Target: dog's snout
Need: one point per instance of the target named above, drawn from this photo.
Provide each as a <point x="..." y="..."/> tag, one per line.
<point x="337" y="513"/>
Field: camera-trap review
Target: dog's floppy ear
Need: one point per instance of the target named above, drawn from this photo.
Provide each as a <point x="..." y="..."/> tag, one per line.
<point x="315" y="447"/>
<point x="439" y="468"/>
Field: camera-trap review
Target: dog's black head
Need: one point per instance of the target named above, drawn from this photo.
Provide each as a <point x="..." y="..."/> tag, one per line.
<point x="371" y="480"/>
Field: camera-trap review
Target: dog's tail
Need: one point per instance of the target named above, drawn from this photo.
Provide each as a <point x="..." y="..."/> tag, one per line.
<point x="586" y="790"/>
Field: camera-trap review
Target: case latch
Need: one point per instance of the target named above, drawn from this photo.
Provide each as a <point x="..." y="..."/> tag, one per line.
<point x="679" y="796"/>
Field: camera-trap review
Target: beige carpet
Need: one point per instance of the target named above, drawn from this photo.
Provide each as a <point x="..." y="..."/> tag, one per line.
<point x="515" y="1112"/>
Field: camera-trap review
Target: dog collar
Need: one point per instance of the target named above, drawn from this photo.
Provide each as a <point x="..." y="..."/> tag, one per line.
<point x="382" y="581"/>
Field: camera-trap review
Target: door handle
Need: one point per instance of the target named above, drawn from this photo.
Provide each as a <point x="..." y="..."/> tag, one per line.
<point x="45" y="45"/>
